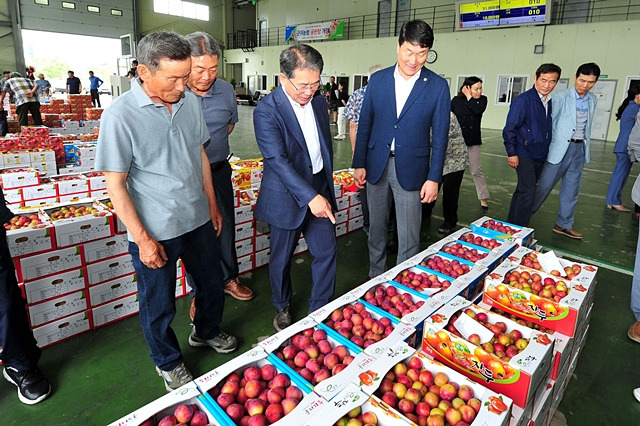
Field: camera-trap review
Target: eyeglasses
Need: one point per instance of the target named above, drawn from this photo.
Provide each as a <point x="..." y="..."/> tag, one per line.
<point x="305" y="87"/>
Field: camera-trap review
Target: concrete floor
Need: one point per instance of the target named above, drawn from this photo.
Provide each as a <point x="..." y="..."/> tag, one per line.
<point x="107" y="373"/>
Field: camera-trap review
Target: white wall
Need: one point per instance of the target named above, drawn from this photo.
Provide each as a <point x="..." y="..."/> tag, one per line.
<point x="487" y="52"/>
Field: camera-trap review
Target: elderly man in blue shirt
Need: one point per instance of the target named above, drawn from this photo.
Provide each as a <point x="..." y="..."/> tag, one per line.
<point x="569" y="149"/>
<point x="218" y="102"/>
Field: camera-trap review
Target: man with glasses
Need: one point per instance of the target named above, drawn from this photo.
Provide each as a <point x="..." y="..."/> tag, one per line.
<point x="296" y="196"/>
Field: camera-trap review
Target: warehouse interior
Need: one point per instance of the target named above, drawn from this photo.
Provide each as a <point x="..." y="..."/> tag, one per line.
<point x="102" y="375"/>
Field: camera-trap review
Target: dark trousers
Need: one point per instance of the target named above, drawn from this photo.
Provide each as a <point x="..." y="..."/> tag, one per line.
<point x="365" y="207"/>
<point x="19" y="347"/>
<point x="521" y="208"/>
<point x="95" y="98"/>
<point x="450" y="194"/>
<point x="320" y="236"/>
<point x="157" y="287"/>
<point x="34" y="109"/>
<point x="223" y="187"/>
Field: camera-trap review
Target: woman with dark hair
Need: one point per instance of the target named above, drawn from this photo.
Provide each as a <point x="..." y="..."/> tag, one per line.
<point x="627" y="114"/>
<point x="468" y="106"/>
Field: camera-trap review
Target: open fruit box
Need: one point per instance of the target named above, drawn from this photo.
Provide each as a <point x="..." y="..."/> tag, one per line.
<point x="17" y="177"/>
<point x="353" y="403"/>
<point x="152" y="413"/>
<point x="319" y="355"/>
<point x="466" y="278"/>
<point x="494" y="250"/>
<point x="499" y="229"/>
<point x="457" y="335"/>
<point x="381" y="330"/>
<point x="28" y="233"/>
<point x="345" y="179"/>
<point x="249" y="196"/>
<point x="240" y="177"/>
<point x="107" y="204"/>
<point x="78" y="222"/>
<point x="549" y="263"/>
<point x="413" y="384"/>
<point x="551" y="301"/>
<point x="257" y="377"/>
<point x="71" y="184"/>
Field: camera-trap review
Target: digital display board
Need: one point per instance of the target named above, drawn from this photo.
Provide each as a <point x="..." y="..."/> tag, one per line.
<point x="493" y="13"/>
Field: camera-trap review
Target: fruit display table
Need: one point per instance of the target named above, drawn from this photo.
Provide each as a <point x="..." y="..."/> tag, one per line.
<point x="471" y="331"/>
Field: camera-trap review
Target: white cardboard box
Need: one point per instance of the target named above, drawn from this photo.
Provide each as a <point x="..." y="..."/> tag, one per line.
<point x="53" y="309"/>
<point x="244" y="247"/>
<point x="55" y="285"/>
<point x="109" y="269"/>
<point x="62" y="329"/>
<point x="111" y="290"/>
<point x="105" y="248"/>
<point x="115" y="310"/>
<point x="53" y="262"/>
<point x="27" y="241"/>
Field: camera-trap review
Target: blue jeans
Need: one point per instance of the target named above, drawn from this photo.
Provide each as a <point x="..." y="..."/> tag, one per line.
<point x="569" y="169"/>
<point x="20" y="349"/>
<point x="156" y="291"/>
<point x="618" y="178"/>
<point x="635" y="285"/>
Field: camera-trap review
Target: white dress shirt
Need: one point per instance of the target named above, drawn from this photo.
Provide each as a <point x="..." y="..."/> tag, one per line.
<point x="307" y="121"/>
<point x="403" y="89"/>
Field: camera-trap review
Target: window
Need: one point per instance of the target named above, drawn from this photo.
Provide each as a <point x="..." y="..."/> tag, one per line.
<point x="182" y="8"/>
<point x="68" y="5"/>
<point x="357" y="81"/>
<point x="93" y="9"/>
<point x="42" y="2"/>
<point x="510" y="86"/>
<point x="116" y="12"/>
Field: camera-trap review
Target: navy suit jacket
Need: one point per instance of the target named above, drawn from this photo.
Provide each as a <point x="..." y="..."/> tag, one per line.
<point x="426" y="110"/>
<point x="287" y="178"/>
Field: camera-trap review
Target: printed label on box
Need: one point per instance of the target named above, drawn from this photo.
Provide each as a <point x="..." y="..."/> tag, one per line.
<point x="51" y="310"/>
<point x="105" y="248"/>
<point x="114" y="289"/>
<point x="49" y="263"/>
<point x="55" y="285"/>
<point x="62" y="329"/>
<point x="109" y="269"/>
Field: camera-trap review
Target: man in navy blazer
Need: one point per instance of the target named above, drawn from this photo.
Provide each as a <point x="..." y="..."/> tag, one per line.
<point x="394" y="153"/>
<point x="296" y="195"/>
<point x="527" y="135"/>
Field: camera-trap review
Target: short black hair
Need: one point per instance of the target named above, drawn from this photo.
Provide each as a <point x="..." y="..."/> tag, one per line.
<point x="590" y="68"/>
<point x="416" y="32"/>
<point x="163" y="45"/>
<point x="70" y="72"/>
<point x="548" y="69"/>
<point x="6" y="72"/>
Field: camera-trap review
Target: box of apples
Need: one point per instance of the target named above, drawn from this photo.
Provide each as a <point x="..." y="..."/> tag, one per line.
<point x="71" y="184"/>
<point x="106" y="203"/>
<point x="319" y="355"/>
<point x="553" y="302"/>
<point x="181" y="406"/>
<point x="28" y="233"/>
<point x="17" y="177"/>
<point x="510" y="358"/>
<point x="502" y="230"/>
<point x="424" y="391"/>
<point x="551" y="264"/>
<point x="466" y="278"/>
<point x="78" y="223"/>
<point x="251" y="386"/>
<point x="498" y="248"/>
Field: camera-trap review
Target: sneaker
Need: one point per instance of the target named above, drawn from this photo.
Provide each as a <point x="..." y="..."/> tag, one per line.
<point x="636" y="393"/>
<point x="175" y="378"/>
<point x="222" y="343"/>
<point x="446" y="228"/>
<point x="568" y="232"/>
<point x="282" y="319"/>
<point x="333" y="123"/>
<point x="32" y="386"/>
<point x="237" y="290"/>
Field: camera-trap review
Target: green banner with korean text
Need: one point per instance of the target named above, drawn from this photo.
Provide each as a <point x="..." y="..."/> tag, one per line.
<point x="317" y="31"/>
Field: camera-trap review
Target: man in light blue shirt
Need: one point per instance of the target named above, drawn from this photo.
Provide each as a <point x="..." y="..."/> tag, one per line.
<point x="95" y="84"/>
<point x="572" y="117"/>
<point x="151" y="150"/>
<point x="44" y="87"/>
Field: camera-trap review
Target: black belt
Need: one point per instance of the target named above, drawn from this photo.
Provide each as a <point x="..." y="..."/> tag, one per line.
<point x="576" y="140"/>
<point x="392" y="154"/>
<point x="218" y="165"/>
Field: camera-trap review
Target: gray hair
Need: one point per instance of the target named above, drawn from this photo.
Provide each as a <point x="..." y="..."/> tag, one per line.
<point x="300" y="57"/>
<point x="160" y="45"/>
<point x="374" y="69"/>
<point x="203" y="44"/>
<point x="15" y="74"/>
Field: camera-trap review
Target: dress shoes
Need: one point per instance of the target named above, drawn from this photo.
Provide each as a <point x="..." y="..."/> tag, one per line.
<point x="619" y="207"/>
